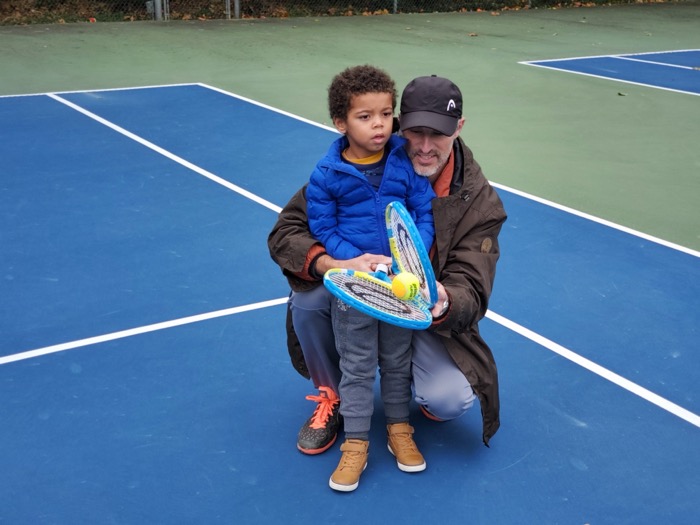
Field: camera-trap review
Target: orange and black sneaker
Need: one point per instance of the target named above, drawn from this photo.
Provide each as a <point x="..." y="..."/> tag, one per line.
<point x="321" y="429"/>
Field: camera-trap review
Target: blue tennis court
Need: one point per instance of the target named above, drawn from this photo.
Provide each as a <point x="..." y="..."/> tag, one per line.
<point x="143" y="365"/>
<point x="671" y="70"/>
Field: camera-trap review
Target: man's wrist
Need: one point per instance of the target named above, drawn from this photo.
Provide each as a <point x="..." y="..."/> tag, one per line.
<point x="445" y="308"/>
<point x="321" y="264"/>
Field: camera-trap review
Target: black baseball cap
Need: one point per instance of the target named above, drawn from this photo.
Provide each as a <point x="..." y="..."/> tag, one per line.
<point x="431" y="102"/>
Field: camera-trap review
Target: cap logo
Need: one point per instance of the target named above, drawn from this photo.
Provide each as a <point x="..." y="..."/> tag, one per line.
<point x="451" y="105"/>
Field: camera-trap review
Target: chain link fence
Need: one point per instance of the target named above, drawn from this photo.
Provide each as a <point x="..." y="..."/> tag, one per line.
<point x="65" y="11"/>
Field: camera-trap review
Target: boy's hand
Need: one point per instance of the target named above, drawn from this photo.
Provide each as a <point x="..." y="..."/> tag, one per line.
<point x="366" y="263"/>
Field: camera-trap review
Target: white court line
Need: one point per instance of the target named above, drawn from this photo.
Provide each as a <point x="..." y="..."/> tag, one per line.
<point x="277" y="209"/>
<point x="611" y="78"/>
<point x="627" y="56"/>
<point x="554" y="347"/>
<point x="613" y="56"/>
<point x="589" y="365"/>
<point x="101" y="90"/>
<point x="503" y="187"/>
<point x="604" y="222"/>
<point x="652" y="62"/>
<point x="270" y="108"/>
<point x="168" y="154"/>
<point x="137" y="331"/>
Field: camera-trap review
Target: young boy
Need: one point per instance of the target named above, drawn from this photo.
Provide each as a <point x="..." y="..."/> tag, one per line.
<point x="363" y="171"/>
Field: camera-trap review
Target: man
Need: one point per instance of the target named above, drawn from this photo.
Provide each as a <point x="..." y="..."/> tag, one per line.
<point x="451" y="363"/>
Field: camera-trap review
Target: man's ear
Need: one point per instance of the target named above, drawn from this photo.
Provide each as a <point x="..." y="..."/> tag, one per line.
<point x="340" y="125"/>
<point x="460" y="125"/>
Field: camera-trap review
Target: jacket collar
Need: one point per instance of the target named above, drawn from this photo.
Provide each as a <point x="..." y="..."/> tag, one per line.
<point x="334" y="158"/>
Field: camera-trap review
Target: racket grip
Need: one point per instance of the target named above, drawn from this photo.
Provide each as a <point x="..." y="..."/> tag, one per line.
<point x="383" y="268"/>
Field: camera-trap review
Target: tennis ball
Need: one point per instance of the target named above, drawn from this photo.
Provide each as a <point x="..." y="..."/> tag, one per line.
<point x="405" y="286"/>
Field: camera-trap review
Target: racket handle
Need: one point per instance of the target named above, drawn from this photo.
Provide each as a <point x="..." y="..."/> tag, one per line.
<point x="383" y="268"/>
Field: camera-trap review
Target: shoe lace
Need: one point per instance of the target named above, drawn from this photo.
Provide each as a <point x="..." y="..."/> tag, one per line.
<point x="324" y="410"/>
<point x="352" y="460"/>
<point x="403" y="441"/>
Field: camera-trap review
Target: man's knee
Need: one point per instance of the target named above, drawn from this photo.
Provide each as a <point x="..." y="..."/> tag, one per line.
<point x="446" y="400"/>
<point x="315" y="300"/>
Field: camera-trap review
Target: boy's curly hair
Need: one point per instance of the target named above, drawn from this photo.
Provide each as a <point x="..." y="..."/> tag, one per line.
<point x="357" y="80"/>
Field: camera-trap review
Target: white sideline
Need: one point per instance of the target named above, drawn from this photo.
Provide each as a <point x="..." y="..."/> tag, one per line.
<point x="137" y="331"/>
<point x="589" y="365"/>
<point x="167" y="154"/>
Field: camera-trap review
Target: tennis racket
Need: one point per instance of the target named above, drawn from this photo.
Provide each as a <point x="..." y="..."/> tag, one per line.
<point x="370" y="292"/>
<point x="408" y="251"/>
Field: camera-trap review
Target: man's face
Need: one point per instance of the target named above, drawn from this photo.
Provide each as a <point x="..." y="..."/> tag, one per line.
<point x="429" y="150"/>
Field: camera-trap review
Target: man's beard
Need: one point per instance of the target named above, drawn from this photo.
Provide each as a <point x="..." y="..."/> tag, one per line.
<point x="433" y="170"/>
<point x="425" y="171"/>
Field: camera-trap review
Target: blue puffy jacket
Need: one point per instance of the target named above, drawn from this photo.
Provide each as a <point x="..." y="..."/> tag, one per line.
<point x="346" y="213"/>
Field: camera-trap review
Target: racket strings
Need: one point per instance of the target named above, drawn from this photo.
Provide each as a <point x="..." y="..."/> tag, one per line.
<point x="409" y="259"/>
<point x="376" y="295"/>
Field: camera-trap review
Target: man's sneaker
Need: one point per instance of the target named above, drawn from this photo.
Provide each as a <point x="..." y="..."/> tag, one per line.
<point x="321" y="429"/>
<point x="402" y="446"/>
<point x="427" y="413"/>
<point x="353" y="462"/>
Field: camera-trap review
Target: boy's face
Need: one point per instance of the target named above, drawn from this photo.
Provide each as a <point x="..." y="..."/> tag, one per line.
<point x="368" y="124"/>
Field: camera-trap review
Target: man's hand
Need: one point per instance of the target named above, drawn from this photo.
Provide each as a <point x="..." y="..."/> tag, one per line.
<point x="442" y="304"/>
<point x="366" y="263"/>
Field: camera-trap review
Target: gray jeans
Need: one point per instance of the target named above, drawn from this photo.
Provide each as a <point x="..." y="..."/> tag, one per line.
<point x="363" y="342"/>
<point x="438" y="384"/>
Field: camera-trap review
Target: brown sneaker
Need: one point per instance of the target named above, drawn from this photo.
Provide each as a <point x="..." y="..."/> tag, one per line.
<point x="402" y="446"/>
<point x="346" y="477"/>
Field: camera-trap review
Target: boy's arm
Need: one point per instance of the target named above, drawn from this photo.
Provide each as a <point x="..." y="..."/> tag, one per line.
<point x="302" y="258"/>
<point x="322" y="211"/>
